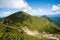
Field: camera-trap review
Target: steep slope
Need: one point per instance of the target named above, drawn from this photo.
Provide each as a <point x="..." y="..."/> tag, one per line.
<point x="17" y="26"/>
<point x="8" y="33"/>
<point x="21" y="19"/>
<point x="17" y="17"/>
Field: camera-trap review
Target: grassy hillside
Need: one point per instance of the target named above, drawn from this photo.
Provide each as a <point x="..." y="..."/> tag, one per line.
<point x="7" y="33"/>
<point x="21" y="19"/>
<point x="11" y="24"/>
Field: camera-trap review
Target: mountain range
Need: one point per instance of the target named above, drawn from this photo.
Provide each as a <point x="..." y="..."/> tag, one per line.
<point x="22" y="26"/>
<point x="55" y="18"/>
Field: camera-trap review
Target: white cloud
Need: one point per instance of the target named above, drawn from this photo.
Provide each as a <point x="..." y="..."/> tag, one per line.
<point x="5" y="14"/>
<point x="13" y="4"/>
<point x="24" y="6"/>
<point x="40" y="12"/>
<point x="56" y="7"/>
<point x="36" y="11"/>
<point x="17" y="4"/>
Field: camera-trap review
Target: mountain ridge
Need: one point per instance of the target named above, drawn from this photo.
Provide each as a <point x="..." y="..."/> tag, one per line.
<point x="22" y="26"/>
<point x="24" y="19"/>
<point x="55" y="19"/>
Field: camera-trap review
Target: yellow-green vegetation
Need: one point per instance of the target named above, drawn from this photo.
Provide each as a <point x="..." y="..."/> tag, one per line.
<point x="21" y="19"/>
<point x="42" y="24"/>
<point x="7" y="33"/>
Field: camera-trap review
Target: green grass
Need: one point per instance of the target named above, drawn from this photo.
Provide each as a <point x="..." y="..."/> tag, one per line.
<point x="7" y="33"/>
<point x="22" y="19"/>
<point x="41" y="24"/>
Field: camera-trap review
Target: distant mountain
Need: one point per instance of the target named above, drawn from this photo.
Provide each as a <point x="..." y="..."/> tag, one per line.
<point x="55" y="18"/>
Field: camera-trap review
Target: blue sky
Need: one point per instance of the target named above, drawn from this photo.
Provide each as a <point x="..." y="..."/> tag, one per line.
<point x="39" y="3"/>
<point x="33" y="7"/>
<point x="42" y="3"/>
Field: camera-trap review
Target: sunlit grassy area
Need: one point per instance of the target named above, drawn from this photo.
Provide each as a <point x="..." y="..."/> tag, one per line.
<point x="21" y="19"/>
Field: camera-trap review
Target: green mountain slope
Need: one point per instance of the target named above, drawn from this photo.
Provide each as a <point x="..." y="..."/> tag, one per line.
<point x="8" y="33"/>
<point x="11" y="28"/>
<point x="21" y="19"/>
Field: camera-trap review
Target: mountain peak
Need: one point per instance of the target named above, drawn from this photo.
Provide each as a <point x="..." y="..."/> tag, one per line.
<point x="17" y="17"/>
<point x="22" y="19"/>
